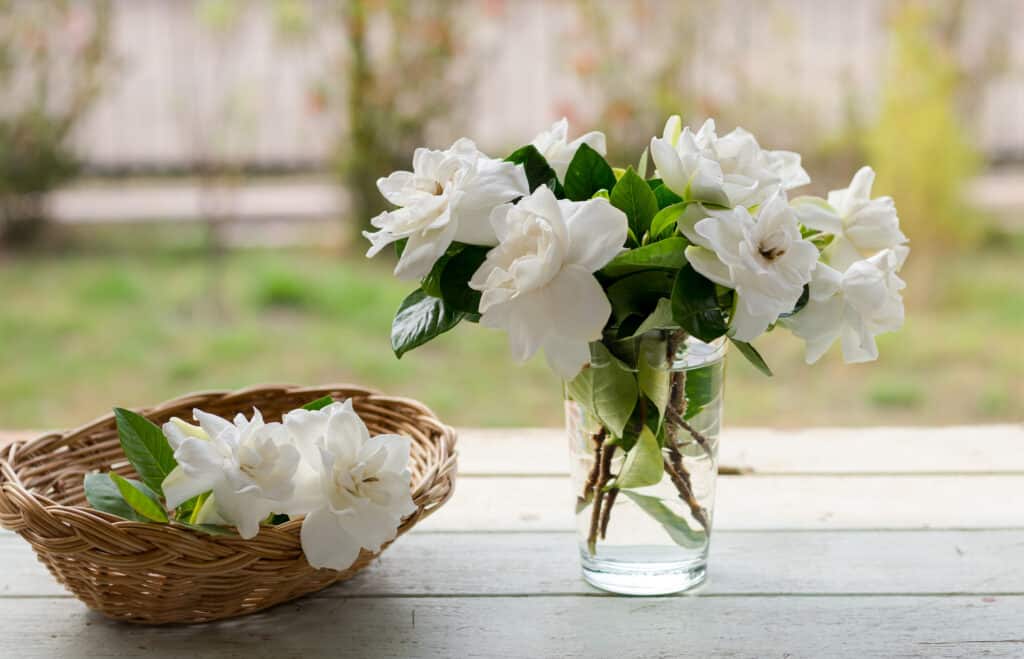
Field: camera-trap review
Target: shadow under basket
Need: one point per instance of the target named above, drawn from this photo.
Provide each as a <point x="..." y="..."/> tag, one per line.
<point x="168" y="573"/>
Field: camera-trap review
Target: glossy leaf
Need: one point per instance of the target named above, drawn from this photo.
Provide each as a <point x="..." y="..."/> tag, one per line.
<point x="664" y="223"/>
<point x="420" y="319"/>
<point x="141" y="499"/>
<point x="588" y="172"/>
<point x="666" y="197"/>
<point x="753" y="356"/>
<point x="460" y="268"/>
<point x="538" y="171"/>
<point x="695" y="305"/>
<point x="103" y="495"/>
<point x="655" y="382"/>
<point x="318" y="404"/>
<point x="663" y="255"/>
<point x="703" y="386"/>
<point x="634" y="197"/>
<point x="145" y="447"/>
<point x="640" y="293"/>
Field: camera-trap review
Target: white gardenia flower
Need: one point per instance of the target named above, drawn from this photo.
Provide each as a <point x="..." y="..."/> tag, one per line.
<point x="249" y="466"/>
<point x="556" y="148"/>
<point x="732" y="170"/>
<point x="861" y="225"/>
<point x="356" y="487"/>
<point x="762" y="257"/>
<point x="538" y="285"/>
<point x="854" y="306"/>
<point x="448" y="196"/>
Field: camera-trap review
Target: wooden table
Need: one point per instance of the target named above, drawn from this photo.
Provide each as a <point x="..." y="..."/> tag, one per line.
<point x="861" y="543"/>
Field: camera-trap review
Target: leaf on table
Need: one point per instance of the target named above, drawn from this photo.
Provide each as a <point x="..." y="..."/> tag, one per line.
<point x="145" y="447"/>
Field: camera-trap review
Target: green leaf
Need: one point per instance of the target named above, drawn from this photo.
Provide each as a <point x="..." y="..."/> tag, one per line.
<point x="641" y="167"/>
<point x="643" y="466"/>
<point x="318" y="404"/>
<point x="431" y="284"/>
<point x="640" y="293"/>
<point x="103" y="495"/>
<point x="209" y="529"/>
<point x="538" y="171"/>
<point x="664" y="223"/>
<point x="607" y="388"/>
<point x="677" y="527"/>
<point x="753" y="356"/>
<point x="666" y="197"/>
<point x="588" y="172"/>
<point x="455" y="290"/>
<point x="663" y="255"/>
<point x="703" y="385"/>
<point x="145" y="447"/>
<point x="659" y="319"/>
<point x="655" y="382"/>
<point x="634" y="197"/>
<point x="420" y="319"/>
<point x="695" y="305"/>
<point x="142" y="500"/>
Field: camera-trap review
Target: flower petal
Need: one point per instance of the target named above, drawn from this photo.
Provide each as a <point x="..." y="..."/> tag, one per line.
<point x="669" y="166"/>
<point x="708" y="264"/>
<point x="816" y="213"/>
<point x="179" y="487"/>
<point x="325" y="543"/>
<point x="423" y="250"/>
<point x="747" y="326"/>
<point x="566" y="357"/>
<point x="597" y="231"/>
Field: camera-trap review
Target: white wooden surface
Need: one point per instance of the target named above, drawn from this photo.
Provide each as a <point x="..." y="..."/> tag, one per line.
<point x="861" y="543"/>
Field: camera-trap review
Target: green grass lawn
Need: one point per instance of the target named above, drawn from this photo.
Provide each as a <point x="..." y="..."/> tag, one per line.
<point x="82" y="332"/>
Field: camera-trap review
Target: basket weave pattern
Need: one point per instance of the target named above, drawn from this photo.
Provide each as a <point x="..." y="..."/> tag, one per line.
<point x="167" y="573"/>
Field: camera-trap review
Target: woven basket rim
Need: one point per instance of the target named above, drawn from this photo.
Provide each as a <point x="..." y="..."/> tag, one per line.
<point x="116" y="565"/>
<point x="26" y="445"/>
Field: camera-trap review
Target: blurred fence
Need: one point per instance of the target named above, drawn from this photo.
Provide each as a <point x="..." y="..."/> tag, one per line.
<point x="187" y="93"/>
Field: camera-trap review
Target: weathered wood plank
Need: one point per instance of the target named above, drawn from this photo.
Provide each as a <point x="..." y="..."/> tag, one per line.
<point x="965" y="449"/>
<point x="769" y="502"/>
<point x="568" y="626"/>
<point x="773" y="563"/>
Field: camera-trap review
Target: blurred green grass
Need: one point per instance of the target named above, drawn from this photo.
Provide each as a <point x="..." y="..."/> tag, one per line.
<point x="83" y="331"/>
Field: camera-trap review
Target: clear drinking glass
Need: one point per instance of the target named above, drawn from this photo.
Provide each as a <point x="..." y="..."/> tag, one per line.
<point x="651" y="540"/>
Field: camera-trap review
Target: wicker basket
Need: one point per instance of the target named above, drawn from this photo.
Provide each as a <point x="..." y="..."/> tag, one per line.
<point x="166" y="573"/>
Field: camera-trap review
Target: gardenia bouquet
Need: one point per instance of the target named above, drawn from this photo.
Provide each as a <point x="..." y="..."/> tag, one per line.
<point x="567" y="254"/>
<point x="318" y="462"/>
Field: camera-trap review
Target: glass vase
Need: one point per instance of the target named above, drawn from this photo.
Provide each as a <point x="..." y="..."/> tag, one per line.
<point x="643" y="527"/>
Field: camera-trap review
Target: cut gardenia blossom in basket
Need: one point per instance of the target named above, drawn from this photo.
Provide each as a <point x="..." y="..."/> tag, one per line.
<point x="352" y="490"/>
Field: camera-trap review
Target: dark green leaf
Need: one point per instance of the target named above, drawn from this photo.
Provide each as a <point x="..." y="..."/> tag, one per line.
<point x="659" y="319"/>
<point x="663" y="255"/>
<point x="400" y="246"/>
<point x="318" y="404"/>
<point x="666" y="197"/>
<point x="703" y="386"/>
<point x="676" y="527"/>
<point x="607" y="388"/>
<point x="431" y="284"/>
<point x="639" y="293"/>
<point x="538" y="171"/>
<point x="142" y="500"/>
<point x="695" y="305"/>
<point x="103" y="495"/>
<point x="753" y="356"/>
<point x="420" y="319"/>
<point x="278" y="518"/>
<point x="634" y="197"/>
<point x="455" y="290"/>
<point x="145" y="447"/>
<point x="587" y="173"/>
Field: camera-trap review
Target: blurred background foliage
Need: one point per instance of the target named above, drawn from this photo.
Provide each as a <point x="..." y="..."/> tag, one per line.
<point x="226" y="252"/>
